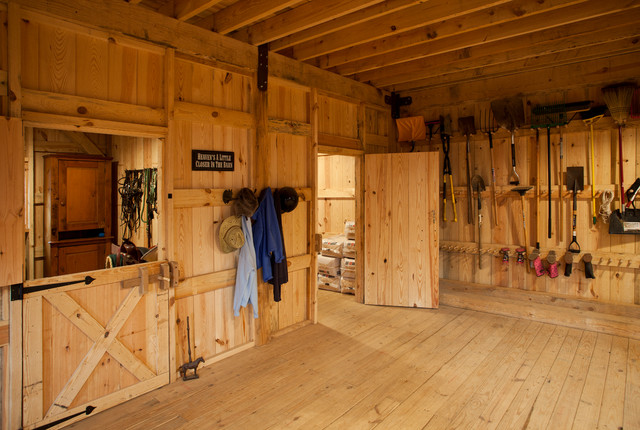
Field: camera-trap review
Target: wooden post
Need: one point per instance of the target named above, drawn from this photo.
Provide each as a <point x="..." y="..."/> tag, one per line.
<point x="262" y="178"/>
<point x="359" y="195"/>
<point x="312" y="290"/>
<point x="15" y="60"/>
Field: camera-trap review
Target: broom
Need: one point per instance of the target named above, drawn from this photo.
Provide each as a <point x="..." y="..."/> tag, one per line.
<point x="618" y="100"/>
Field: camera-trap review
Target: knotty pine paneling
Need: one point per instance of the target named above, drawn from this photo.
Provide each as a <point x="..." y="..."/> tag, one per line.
<point x="336" y="181"/>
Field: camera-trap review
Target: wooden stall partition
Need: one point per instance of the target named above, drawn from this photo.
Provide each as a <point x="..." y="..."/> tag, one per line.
<point x="93" y="339"/>
<point x="207" y="275"/>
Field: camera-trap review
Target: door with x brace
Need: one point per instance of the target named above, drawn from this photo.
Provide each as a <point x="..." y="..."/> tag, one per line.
<point x="93" y="339"/>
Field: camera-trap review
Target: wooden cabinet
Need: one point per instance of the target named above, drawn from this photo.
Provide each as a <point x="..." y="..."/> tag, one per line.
<point x="77" y="198"/>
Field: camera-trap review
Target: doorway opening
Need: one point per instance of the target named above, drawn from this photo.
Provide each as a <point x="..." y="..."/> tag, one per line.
<point x="337" y="222"/>
<point x="75" y="186"/>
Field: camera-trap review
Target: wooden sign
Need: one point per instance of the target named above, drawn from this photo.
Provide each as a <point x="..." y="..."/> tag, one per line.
<point x="216" y="161"/>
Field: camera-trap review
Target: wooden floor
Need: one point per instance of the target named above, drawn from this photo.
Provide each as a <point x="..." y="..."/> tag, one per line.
<point x="394" y="368"/>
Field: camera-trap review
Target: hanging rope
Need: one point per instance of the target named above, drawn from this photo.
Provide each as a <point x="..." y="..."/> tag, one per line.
<point x="605" y="207"/>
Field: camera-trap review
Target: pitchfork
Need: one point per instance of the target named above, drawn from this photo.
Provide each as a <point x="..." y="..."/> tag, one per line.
<point x="489" y="126"/>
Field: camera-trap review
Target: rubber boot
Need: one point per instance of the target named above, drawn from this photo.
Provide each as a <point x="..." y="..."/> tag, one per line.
<point x="553" y="264"/>
<point x="568" y="259"/>
<point x="505" y="255"/>
<point x="520" y="252"/>
<point x="588" y="267"/>
<point x="532" y="257"/>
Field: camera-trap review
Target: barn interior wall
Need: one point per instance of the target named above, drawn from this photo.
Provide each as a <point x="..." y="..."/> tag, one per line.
<point x="615" y="257"/>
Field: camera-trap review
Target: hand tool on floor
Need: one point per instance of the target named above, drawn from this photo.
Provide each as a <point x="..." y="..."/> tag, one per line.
<point x="575" y="182"/>
<point x="589" y="118"/>
<point x="522" y="190"/>
<point x="445" y="136"/>
<point x="190" y="365"/>
<point x="489" y="126"/>
<point x="467" y="127"/>
<point x="618" y="99"/>
<point x="478" y="186"/>
<point x="509" y="114"/>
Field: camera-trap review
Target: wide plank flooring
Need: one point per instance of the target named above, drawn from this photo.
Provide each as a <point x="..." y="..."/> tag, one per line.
<point x="393" y="368"/>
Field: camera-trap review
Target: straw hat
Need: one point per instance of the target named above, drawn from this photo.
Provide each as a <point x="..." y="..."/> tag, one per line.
<point x="231" y="236"/>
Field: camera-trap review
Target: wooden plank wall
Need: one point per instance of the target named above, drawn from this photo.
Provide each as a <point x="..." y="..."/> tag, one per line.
<point x="336" y="193"/>
<point x="615" y="256"/>
<point x="214" y="329"/>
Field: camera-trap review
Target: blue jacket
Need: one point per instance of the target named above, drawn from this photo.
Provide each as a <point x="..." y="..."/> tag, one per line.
<point x="267" y="238"/>
<point x="246" y="276"/>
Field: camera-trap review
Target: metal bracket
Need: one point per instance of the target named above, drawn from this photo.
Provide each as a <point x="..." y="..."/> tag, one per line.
<point x="18" y="290"/>
<point x="263" y="66"/>
<point x="396" y="101"/>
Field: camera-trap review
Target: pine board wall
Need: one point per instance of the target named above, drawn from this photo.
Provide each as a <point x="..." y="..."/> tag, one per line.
<point x="615" y="257"/>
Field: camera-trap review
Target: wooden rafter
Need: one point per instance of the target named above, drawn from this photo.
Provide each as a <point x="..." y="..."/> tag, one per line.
<point x="474" y="14"/>
<point x="246" y="12"/>
<point x="568" y="38"/>
<point x="185" y="9"/>
<point x="84" y="142"/>
<point x="456" y="34"/>
<point x="305" y="16"/>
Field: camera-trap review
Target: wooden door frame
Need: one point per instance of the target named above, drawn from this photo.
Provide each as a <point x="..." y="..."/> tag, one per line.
<point x="358" y="156"/>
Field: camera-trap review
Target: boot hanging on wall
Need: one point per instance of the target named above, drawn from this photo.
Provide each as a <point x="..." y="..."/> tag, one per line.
<point x="553" y="264"/>
<point x="588" y="267"/>
<point x="568" y="259"/>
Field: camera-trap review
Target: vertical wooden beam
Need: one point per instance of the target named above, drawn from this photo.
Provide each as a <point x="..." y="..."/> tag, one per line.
<point x="312" y="289"/>
<point x="15" y="60"/>
<point x="29" y="204"/>
<point x="359" y="195"/>
<point x="262" y="179"/>
<point x="165" y="204"/>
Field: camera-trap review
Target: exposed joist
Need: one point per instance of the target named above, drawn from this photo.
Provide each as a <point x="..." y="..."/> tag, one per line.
<point x="396" y="23"/>
<point x="568" y="38"/>
<point x="457" y="34"/>
<point x="185" y="9"/>
<point x="246" y="12"/>
<point x="354" y="18"/>
<point x="302" y="17"/>
<point x="84" y="142"/>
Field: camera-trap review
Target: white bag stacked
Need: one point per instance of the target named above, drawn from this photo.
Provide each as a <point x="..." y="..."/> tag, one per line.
<point x="328" y="266"/>
<point x="331" y="283"/>
<point x="350" y="230"/>
<point x="333" y="246"/>
<point x="348" y="276"/>
<point x="349" y="249"/>
<point x="347" y="286"/>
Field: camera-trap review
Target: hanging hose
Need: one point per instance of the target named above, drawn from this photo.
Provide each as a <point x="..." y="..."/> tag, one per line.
<point x="605" y="207"/>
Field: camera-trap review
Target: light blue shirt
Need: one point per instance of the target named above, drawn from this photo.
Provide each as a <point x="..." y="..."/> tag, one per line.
<point x="246" y="276"/>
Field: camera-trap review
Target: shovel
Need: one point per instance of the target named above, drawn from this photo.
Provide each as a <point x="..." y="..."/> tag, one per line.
<point x="509" y="113"/>
<point x="478" y="186"/>
<point x="575" y="182"/>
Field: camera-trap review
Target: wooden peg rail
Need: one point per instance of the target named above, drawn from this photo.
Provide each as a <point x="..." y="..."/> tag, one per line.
<point x="503" y="191"/>
<point x="610" y="259"/>
<point x="201" y="197"/>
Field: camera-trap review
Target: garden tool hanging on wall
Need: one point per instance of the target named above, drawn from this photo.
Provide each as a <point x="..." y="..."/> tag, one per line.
<point x="478" y="186"/>
<point x="522" y="190"/>
<point x="590" y="117"/>
<point x="509" y="113"/>
<point x="489" y="126"/>
<point x="467" y="127"/>
<point x="575" y="182"/>
<point x="445" y="135"/>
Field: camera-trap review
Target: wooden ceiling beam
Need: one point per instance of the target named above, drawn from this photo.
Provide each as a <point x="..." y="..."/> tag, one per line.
<point x="246" y="12"/>
<point x="455" y="34"/>
<point x="549" y="63"/>
<point x="300" y="18"/>
<point x="346" y="21"/>
<point x="519" y="48"/>
<point x="185" y="9"/>
<point x="483" y="13"/>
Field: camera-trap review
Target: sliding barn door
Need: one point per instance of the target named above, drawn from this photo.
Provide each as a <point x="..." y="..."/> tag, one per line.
<point x="401" y="229"/>
<point x="93" y="339"/>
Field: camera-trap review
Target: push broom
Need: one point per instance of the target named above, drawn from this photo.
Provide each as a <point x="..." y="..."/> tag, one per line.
<point x="618" y="99"/>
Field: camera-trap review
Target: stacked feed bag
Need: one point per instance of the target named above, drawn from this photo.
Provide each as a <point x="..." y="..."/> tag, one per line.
<point x="350" y="230"/>
<point x="348" y="275"/>
<point x="329" y="266"/>
<point x="333" y="246"/>
<point x="349" y="249"/>
<point x="331" y="283"/>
